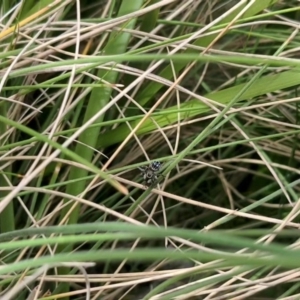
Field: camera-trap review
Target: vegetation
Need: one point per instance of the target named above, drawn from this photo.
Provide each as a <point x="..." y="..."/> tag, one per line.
<point x="93" y="91"/>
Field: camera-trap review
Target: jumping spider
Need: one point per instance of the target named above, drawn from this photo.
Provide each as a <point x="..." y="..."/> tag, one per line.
<point x="151" y="173"/>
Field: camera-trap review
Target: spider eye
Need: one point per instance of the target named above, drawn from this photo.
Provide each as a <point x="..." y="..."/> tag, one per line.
<point x="155" y="165"/>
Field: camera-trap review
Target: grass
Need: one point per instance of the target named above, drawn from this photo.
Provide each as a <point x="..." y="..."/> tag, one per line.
<point x="92" y="91"/>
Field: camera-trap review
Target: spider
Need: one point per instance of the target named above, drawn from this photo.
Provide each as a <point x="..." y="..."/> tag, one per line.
<point x="151" y="173"/>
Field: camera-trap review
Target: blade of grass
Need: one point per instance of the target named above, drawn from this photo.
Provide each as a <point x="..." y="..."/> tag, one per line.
<point x="266" y="84"/>
<point x="155" y="254"/>
<point x="7" y="218"/>
<point x="100" y="96"/>
<point x="254" y="60"/>
<point x="131" y="232"/>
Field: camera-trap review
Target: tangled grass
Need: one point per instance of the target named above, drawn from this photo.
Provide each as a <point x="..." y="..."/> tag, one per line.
<point x="90" y="92"/>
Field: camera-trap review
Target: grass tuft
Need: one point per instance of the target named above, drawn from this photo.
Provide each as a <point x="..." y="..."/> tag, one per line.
<point x="90" y="92"/>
